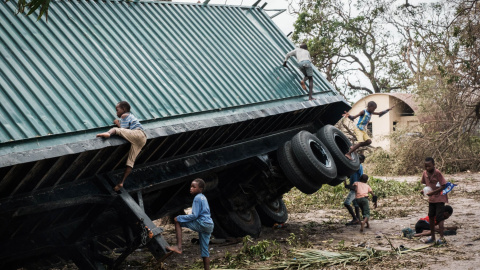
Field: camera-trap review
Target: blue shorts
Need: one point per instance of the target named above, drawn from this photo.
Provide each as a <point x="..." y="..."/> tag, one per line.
<point x="306" y="68"/>
<point x="351" y="198"/>
<point x="204" y="231"/>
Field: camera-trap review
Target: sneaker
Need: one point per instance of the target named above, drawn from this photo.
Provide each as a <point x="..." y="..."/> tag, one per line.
<point x="429" y="241"/>
<point x="450" y="232"/>
<point x="441" y="242"/>
<point x="408" y="232"/>
<point x="353" y="222"/>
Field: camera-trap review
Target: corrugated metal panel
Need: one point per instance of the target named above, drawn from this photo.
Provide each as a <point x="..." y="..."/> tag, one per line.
<point x="166" y="59"/>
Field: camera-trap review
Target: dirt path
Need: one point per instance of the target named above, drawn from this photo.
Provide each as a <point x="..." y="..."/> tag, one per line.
<point x="325" y="229"/>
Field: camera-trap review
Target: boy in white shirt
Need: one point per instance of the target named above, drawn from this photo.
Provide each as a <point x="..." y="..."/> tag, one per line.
<point x="305" y="65"/>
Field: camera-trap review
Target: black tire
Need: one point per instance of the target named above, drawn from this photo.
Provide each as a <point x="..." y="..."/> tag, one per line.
<point x="338" y="180"/>
<point x="218" y="230"/>
<point x="338" y="144"/>
<point x="272" y="212"/>
<point x="239" y="224"/>
<point x="293" y="172"/>
<point x="314" y="157"/>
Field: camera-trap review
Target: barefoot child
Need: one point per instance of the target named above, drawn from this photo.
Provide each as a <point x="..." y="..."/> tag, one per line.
<point x="360" y="129"/>
<point x="433" y="178"/>
<point x="129" y="128"/>
<point x="361" y="195"/>
<point x="305" y="65"/>
<point x="199" y="221"/>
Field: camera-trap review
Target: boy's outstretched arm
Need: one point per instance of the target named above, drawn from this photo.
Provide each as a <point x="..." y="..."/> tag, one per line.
<point x="292" y="53"/>
<point x="351" y="117"/>
<point x="383" y="112"/>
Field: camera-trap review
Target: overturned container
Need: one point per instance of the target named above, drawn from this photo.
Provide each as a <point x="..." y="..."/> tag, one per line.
<point x="207" y="84"/>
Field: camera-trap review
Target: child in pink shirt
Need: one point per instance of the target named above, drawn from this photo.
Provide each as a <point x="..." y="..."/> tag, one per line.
<point x="361" y="195"/>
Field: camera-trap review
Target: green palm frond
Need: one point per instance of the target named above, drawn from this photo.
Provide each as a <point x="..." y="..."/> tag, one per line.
<point x="32" y="6"/>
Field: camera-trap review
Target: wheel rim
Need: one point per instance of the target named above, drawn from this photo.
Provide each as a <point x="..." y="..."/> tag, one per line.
<point x="320" y="153"/>
<point x="274" y="206"/>
<point x="245" y="215"/>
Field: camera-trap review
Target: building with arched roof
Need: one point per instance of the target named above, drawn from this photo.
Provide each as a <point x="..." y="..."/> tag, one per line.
<point x="403" y="116"/>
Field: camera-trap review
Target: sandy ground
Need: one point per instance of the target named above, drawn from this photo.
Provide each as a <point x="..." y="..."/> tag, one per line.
<point x="325" y="229"/>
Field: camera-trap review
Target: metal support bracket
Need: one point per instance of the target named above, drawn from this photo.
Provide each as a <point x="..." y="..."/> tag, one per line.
<point x="140" y="200"/>
<point x="136" y="216"/>
<point x="278" y="13"/>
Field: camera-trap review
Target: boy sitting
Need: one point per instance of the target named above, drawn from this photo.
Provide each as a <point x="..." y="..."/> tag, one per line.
<point x="361" y="195"/>
<point x="199" y="221"/>
<point x="129" y="128"/>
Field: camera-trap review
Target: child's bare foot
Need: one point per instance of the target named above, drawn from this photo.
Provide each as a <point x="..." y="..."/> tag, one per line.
<point x="368" y="226"/>
<point x="310" y="99"/>
<point x="304" y="87"/>
<point x="118" y="187"/>
<point x="362" y="224"/>
<point x="104" y="135"/>
<point x="348" y="156"/>
<point x="174" y="249"/>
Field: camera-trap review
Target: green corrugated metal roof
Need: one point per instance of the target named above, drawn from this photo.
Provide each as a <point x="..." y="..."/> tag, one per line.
<point x="168" y="60"/>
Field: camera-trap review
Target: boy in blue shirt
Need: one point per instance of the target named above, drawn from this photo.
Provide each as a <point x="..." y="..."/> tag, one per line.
<point x="360" y="129"/>
<point x="129" y="128"/>
<point x="199" y="220"/>
<point x="355" y="177"/>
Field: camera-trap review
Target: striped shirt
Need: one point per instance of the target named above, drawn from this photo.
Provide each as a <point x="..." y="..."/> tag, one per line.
<point x="363" y="120"/>
<point x="130" y="122"/>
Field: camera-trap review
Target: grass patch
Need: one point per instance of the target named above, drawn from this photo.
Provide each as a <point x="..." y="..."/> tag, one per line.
<point x="329" y="197"/>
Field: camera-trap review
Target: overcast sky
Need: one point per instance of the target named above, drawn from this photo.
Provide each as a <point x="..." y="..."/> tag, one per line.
<point x="285" y="22"/>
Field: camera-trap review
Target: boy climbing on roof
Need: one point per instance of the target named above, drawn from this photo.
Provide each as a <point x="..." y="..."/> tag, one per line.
<point x="360" y="128"/>
<point x="199" y="220"/>
<point x="362" y="189"/>
<point x="305" y="65"/>
<point x="355" y="177"/>
<point x="433" y="178"/>
<point x="129" y="128"/>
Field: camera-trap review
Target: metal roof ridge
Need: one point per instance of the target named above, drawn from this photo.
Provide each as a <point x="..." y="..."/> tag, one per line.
<point x="13" y="158"/>
<point x="165" y="119"/>
<point x="169" y="3"/>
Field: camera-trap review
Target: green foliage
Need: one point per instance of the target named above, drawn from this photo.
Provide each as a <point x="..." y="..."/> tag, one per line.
<point x="252" y="251"/>
<point x="329" y="197"/>
<point x="263" y="250"/>
<point x="34" y="5"/>
<point x="344" y="38"/>
<point x="384" y="189"/>
<point x="326" y="197"/>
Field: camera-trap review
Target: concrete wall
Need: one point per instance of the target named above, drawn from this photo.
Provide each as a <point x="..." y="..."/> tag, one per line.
<point x="383" y="126"/>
